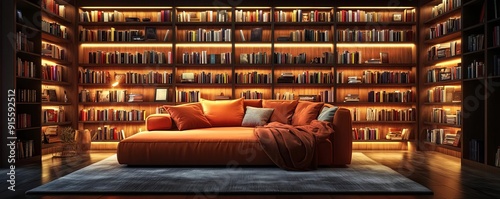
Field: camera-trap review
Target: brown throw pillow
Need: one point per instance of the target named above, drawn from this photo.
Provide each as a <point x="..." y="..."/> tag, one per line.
<point x="188" y="116"/>
<point x="283" y="110"/>
<point x="224" y="112"/>
<point x="306" y="112"/>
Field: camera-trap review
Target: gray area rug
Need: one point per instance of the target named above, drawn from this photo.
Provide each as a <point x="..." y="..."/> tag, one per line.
<point x="364" y="176"/>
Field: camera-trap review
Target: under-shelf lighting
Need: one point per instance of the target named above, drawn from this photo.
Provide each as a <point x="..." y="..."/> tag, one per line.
<point x="318" y="8"/>
<point x="47" y="62"/>
<point x="377" y="8"/>
<point x="205" y="8"/>
<point x="252" y="45"/>
<point x="383" y="45"/>
<point x="305" y="45"/>
<point x="253" y="7"/>
<point x="123" y="7"/>
<point x="131" y="45"/>
<point x="450" y="62"/>
<point x="209" y="45"/>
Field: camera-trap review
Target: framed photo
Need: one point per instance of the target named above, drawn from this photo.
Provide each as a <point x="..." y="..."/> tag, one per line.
<point x="396" y="17"/>
<point x="161" y="94"/>
<point x="150" y="33"/>
<point x="444" y="76"/>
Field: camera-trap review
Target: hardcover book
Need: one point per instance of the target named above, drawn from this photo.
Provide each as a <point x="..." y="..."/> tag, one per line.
<point x="256" y="34"/>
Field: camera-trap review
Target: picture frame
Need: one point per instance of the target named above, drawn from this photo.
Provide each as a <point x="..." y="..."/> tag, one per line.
<point x="161" y="94"/>
<point x="150" y="33"/>
<point x="396" y="17"/>
<point x="444" y="76"/>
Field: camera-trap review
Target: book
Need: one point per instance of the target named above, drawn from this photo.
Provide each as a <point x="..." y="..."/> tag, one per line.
<point x="256" y="34"/>
<point x="166" y="35"/>
<point x="456" y="142"/>
<point x="52" y="95"/>
<point x="242" y="36"/>
<point x="384" y="57"/>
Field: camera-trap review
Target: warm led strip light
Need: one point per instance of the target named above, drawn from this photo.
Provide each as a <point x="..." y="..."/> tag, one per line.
<point x="252" y="45"/>
<point x="131" y="45"/>
<point x="122" y="7"/>
<point x="450" y="62"/>
<point x="387" y="7"/>
<point x="204" y="8"/>
<point x="384" y="45"/>
<point x="204" y="45"/>
<point x="305" y="45"/>
<point x="303" y="8"/>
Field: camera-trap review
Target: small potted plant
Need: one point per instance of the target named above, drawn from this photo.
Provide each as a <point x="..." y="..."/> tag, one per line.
<point x="68" y="147"/>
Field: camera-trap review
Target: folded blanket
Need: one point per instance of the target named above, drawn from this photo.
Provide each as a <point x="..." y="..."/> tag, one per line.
<point x="293" y="147"/>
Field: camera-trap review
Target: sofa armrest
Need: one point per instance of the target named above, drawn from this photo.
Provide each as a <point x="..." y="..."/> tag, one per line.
<point x="158" y="122"/>
<point x="342" y="137"/>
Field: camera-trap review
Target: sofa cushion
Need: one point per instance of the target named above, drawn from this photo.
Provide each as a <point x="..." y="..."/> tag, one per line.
<point x="327" y="113"/>
<point x="306" y="112"/>
<point x="223" y="112"/>
<point x="252" y="103"/>
<point x="283" y="110"/>
<point x="256" y="116"/>
<point x="158" y="122"/>
<point x="188" y="116"/>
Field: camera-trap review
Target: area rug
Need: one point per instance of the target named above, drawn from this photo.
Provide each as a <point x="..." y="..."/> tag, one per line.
<point x="364" y="176"/>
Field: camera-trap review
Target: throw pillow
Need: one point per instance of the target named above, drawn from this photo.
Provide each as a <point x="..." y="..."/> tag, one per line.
<point x="224" y="112"/>
<point x="252" y="103"/>
<point x="188" y="117"/>
<point x="327" y="113"/>
<point x="283" y="110"/>
<point x="306" y="112"/>
<point x="256" y="116"/>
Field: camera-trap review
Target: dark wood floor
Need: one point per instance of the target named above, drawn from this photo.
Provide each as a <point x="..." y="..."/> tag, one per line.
<point x="442" y="174"/>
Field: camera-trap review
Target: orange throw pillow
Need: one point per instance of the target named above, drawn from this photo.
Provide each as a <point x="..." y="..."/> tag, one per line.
<point x="188" y="117"/>
<point x="224" y="112"/>
<point x="283" y="110"/>
<point x="306" y="112"/>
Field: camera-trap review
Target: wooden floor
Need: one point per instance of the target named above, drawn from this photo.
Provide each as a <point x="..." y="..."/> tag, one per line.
<point x="441" y="173"/>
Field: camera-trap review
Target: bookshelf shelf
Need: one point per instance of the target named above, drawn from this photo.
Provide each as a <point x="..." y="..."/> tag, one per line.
<point x="124" y="85"/>
<point x="303" y="23"/>
<point x="204" y="65"/>
<point x="450" y="36"/>
<point x="28" y="103"/>
<point x="56" y="103"/>
<point x="108" y="24"/>
<point x="474" y="27"/>
<point x="203" y="23"/>
<point x="473" y="52"/>
<point x="473" y="79"/>
<point x="22" y="26"/>
<point x="253" y="23"/>
<point x="56" y="61"/>
<point x="375" y="103"/>
<point x="443" y="124"/>
<point x="301" y="85"/>
<point x="442" y="83"/>
<point x="53" y="39"/>
<point x="302" y="65"/>
<point x="364" y="66"/>
<point x="50" y="82"/>
<point x="56" y="17"/>
<point x="28" y="53"/>
<point x="202" y="85"/>
<point x="137" y="66"/>
<point x="446" y="146"/>
<point x="446" y="59"/>
<point x="375" y="85"/>
<point x="28" y="78"/>
<point x="57" y="123"/>
<point x="443" y="103"/>
<point x="253" y="85"/>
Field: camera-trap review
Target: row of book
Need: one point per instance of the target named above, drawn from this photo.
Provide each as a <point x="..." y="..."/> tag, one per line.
<point x="211" y="78"/>
<point x="53" y="115"/>
<point x="107" y="133"/>
<point x="26" y="95"/>
<point x="474" y="70"/>
<point x="475" y="42"/>
<point x="117" y="16"/>
<point x="443" y="50"/>
<point x="444" y="74"/>
<point x="366" y="133"/>
<point x="443" y="136"/>
<point x="496" y="65"/>
<point x="23" y="120"/>
<point x="187" y="96"/>
<point x="395" y="96"/>
<point x="252" y="95"/>
<point x="152" y="77"/>
<point x="347" y="57"/>
<point x="326" y="96"/>
<point x="446" y="116"/>
<point x="284" y="96"/>
<point x="53" y="51"/>
<point x="23" y="43"/>
<point x="26" y="68"/>
<point x="116" y="35"/>
<point x="376" y="114"/>
<point x="254" y="58"/>
<point x="253" y="77"/>
<point x="445" y="6"/>
<point x="407" y="15"/>
<point x="93" y="114"/>
<point x="52" y="72"/>
<point x="204" y="58"/>
<point x="476" y="150"/>
<point x="310" y="35"/>
<point x="378" y="77"/>
<point x="223" y="34"/>
<point x="55" y="29"/>
<point x="252" y="16"/>
<point x="444" y="94"/>
<point x="319" y="77"/>
<point x="54" y="7"/>
<point x="204" y="16"/>
<point x="386" y="35"/>
<point x="289" y="58"/>
<point x="116" y="57"/>
<point x="496" y="36"/>
<point x="24" y="148"/>
<point x="89" y="76"/>
<point x="103" y="96"/>
<point x="298" y="15"/>
<point x="443" y="28"/>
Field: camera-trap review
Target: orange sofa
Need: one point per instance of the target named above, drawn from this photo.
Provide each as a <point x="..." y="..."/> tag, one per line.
<point x="163" y="144"/>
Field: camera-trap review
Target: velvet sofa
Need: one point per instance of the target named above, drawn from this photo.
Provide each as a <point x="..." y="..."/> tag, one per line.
<point x="227" y="142"/>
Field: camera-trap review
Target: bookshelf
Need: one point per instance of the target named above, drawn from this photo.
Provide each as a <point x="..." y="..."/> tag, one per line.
<point x="242" y="51"/>
<point x="57" y="68"/>
<point x="440" y="88"/>
<point x="480" y="138"/>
